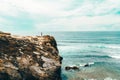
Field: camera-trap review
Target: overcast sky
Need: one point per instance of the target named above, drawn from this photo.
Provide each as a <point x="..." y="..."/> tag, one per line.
<point x="29" y="16"/>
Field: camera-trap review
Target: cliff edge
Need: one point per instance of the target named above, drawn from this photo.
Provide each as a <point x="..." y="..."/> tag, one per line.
<point x="29" y="58"/>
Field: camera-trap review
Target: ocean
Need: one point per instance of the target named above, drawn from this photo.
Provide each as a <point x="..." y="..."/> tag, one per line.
<point x="99" y="49"/>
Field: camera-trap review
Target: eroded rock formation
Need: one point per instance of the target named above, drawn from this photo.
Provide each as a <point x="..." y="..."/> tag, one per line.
<point x="29" y="58"/>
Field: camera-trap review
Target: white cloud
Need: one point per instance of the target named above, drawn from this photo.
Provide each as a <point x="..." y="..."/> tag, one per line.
<point x="58" y="8"/>
<point x="8" y="9"/>
<point x="86" y="16"/>
<point x="41" y="7"/>
<point x="95" y="8"/>
<point x="82" y="23"/>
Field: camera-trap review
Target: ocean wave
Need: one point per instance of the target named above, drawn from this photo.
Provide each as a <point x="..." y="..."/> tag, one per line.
<point x="87" y="56"/>
<point x="115" y="56"/>
<point x="89" y="63"/>
<point x="107" y="78"/>
<point x="97" y="56"/>
<point x="106" y="46"/>
<point x="114" y="46"/>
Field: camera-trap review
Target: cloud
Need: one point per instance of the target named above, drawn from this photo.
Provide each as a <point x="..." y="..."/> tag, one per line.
<point x="8" y="9"/>
<point x="95" y="8"/>
<point x="59" y="15"/>
<point x="60" y="8"/>
<point x="39" y="7"/>
<point x="83" y="23"/>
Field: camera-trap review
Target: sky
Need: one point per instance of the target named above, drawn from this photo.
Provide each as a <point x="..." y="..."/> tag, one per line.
<point x="30" y="16"/>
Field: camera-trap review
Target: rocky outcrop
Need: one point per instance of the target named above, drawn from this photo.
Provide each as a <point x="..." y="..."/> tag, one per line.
<point x="29" y="58"/>
<point x="71" y="68"/>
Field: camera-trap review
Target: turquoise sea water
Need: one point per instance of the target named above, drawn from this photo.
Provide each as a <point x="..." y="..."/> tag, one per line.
<point x="100" y="49"/>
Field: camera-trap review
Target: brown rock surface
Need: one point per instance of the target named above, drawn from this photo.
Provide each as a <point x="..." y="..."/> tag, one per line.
<point x="29" y="58"/>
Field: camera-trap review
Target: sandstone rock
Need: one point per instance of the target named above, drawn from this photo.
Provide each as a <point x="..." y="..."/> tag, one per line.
<point x="29" y="58"/>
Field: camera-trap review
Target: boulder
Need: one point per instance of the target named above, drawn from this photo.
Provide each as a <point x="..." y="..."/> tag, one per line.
<point x="87" y="65"/>
<point x="71" y="68"/>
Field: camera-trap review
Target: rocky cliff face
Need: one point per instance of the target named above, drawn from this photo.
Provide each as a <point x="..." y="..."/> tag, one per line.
<point x="29" y="58"/>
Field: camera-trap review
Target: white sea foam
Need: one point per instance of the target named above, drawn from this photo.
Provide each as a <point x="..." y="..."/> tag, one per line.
<point x="83" y="64"/>
<point x="114" y="46"/>
<point x="109" y="46"/>
<point x="109" y="78"/>
<point x="115" y="56"/>
<point x="91" y="63"/>
<point x="90" y="79"/>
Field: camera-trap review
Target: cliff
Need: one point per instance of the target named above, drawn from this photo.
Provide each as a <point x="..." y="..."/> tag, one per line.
<point x="29" y="58"/>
